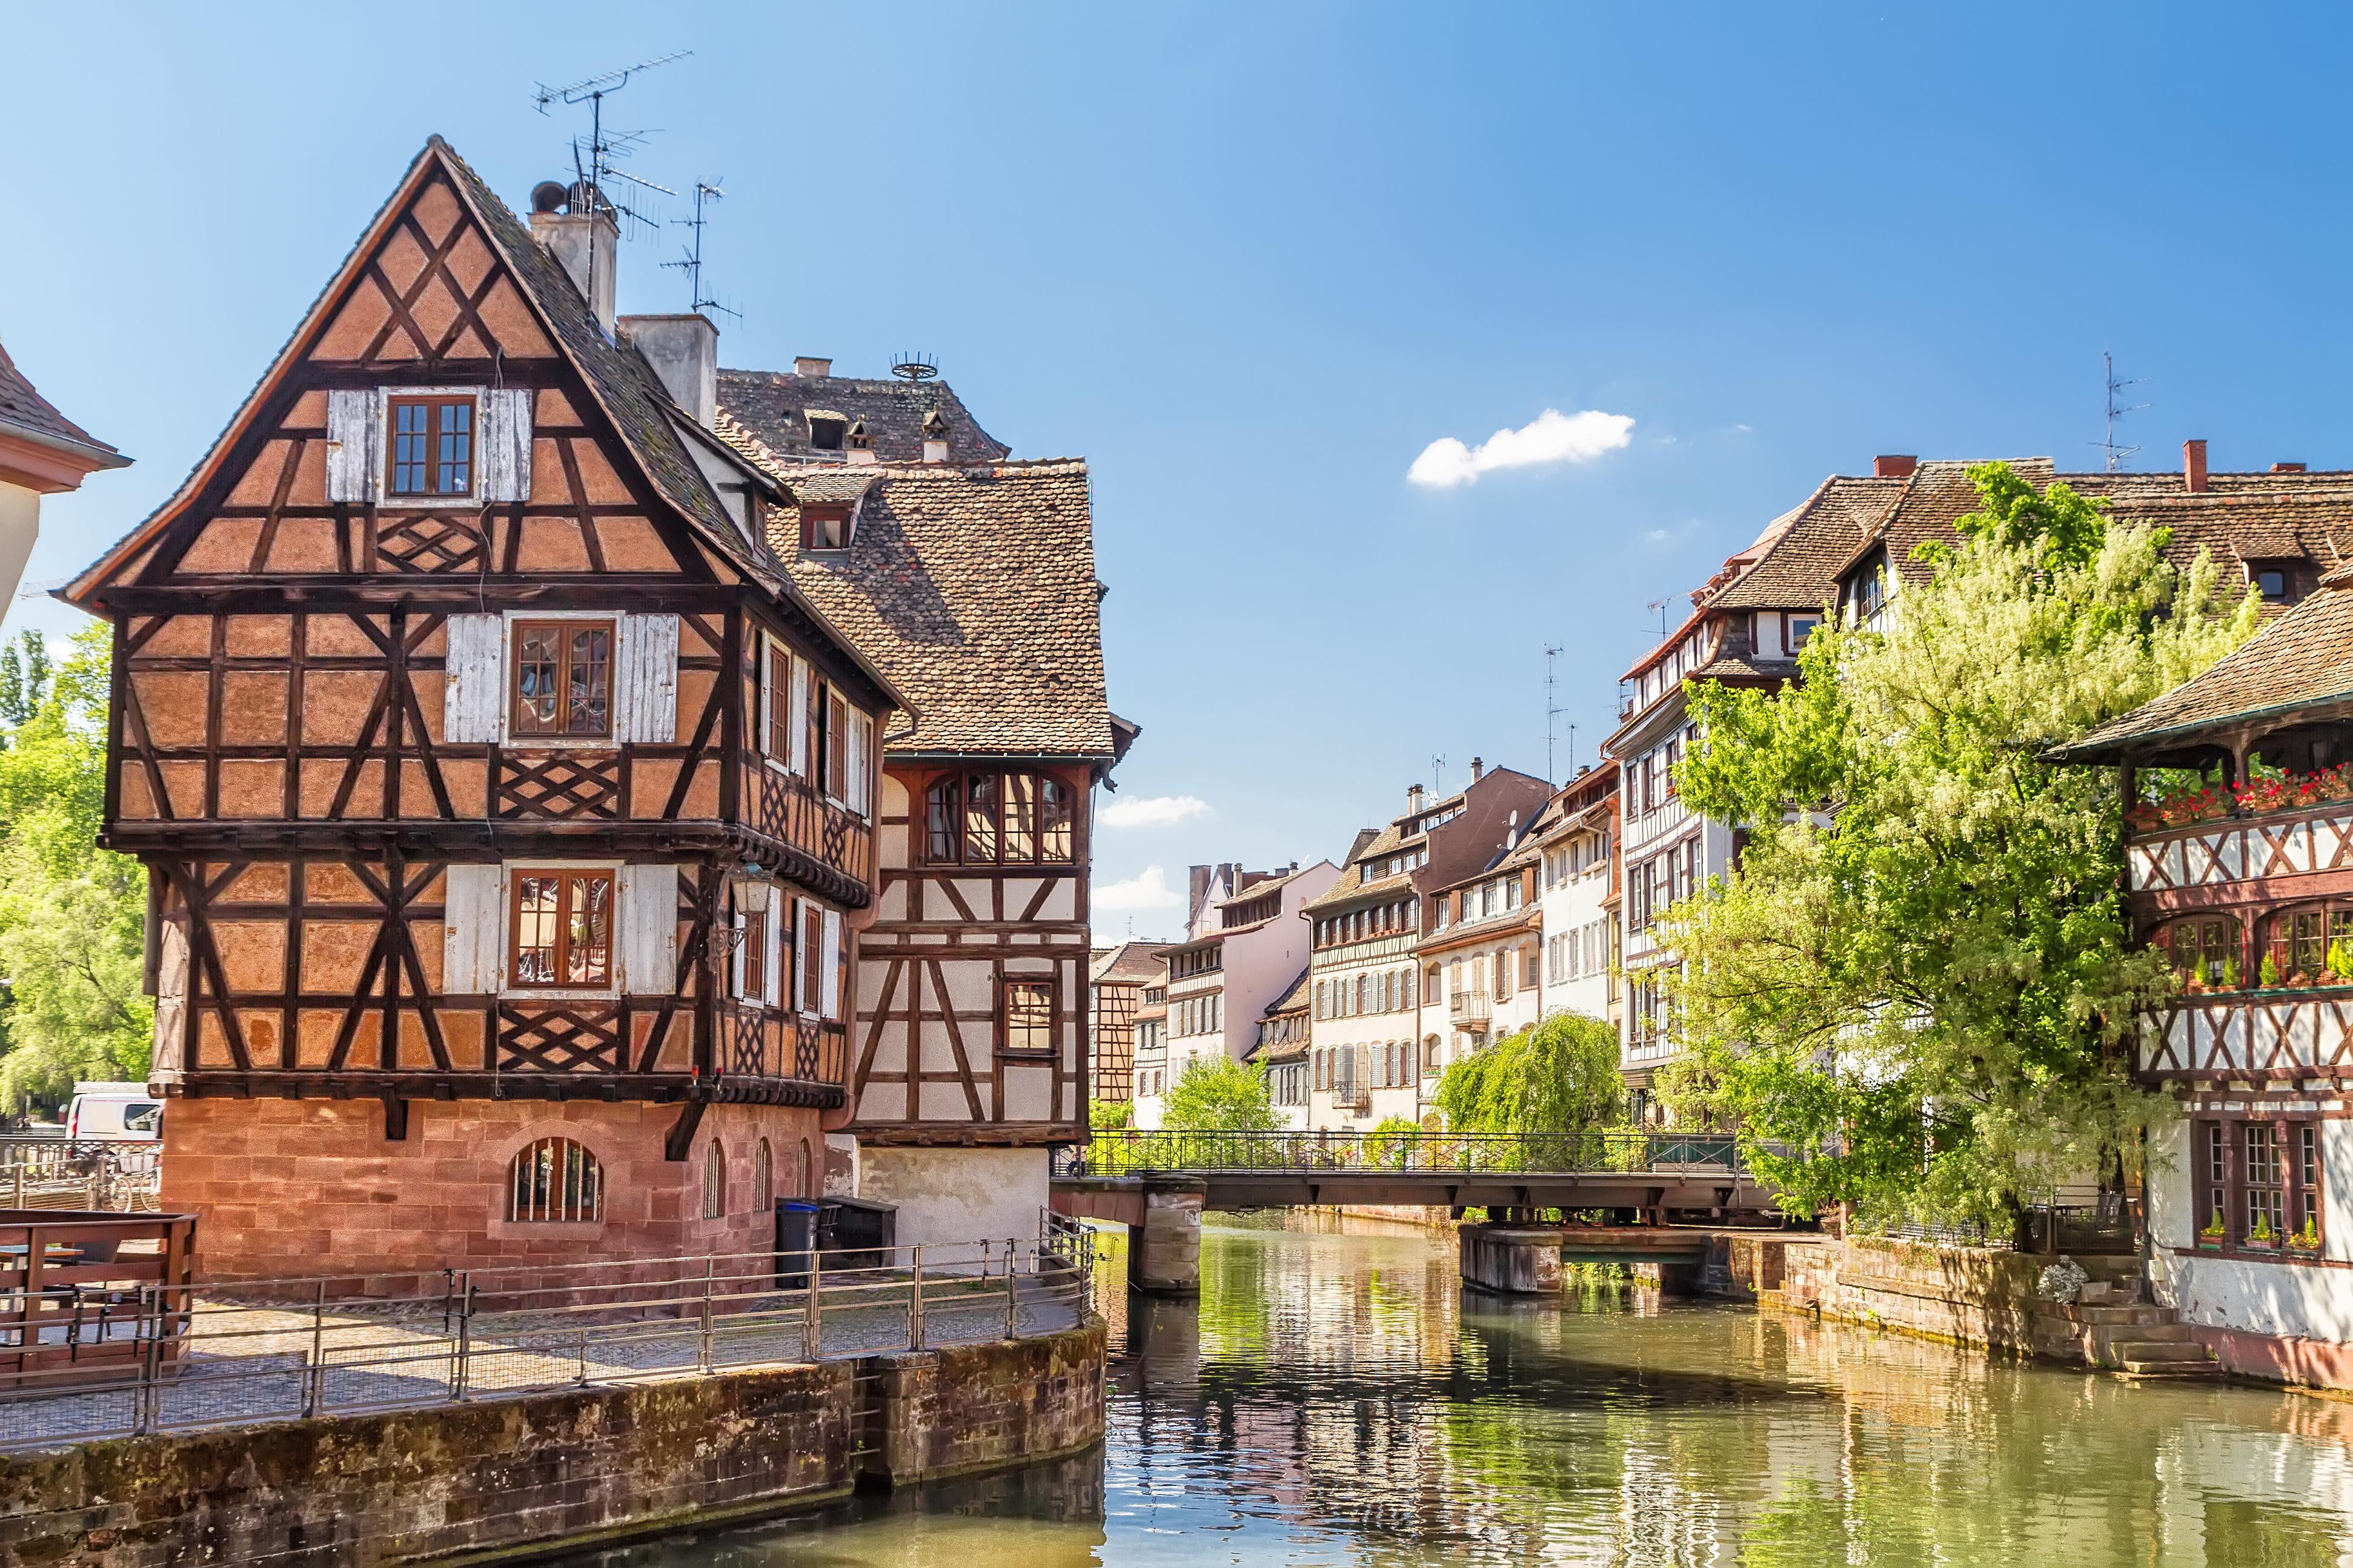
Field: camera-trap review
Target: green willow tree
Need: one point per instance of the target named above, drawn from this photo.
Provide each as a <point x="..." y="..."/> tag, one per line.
<point x="72" y="916"/>
<point x="1559" y="1076"/>
<point x="1916" y="993"/>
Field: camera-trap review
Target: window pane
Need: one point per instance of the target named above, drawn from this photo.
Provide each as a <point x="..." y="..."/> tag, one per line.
<point x="1028" y="1016"/>
<point x="1053" y="820"/>
<point x="589" y="934"/>
<point x="940" y="812"/>
<point x="980" y="818"/>
<point x="1020" y="816"/>
<point x="535" y="928"/>
<point x="410" y="438"/>
<point x="454" y="462"/>
<point x="780" y="705"/>
<point x="538" y="690"/>
<point x="588" y="679"/>
<point x="756" y="953"/>
<point x="837" y="748"/>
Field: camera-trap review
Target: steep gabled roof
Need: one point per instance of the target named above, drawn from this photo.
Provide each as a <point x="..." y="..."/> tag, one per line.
<point x="625" y="389"/>
<point x="2302" y="661"/>
<point x="974" y="590"/>
<point x="777" y="405"/>
<point x="1129" y="963"/>
<point x="1798" y="569"/>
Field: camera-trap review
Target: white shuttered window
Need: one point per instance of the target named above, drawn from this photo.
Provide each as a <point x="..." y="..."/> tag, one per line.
<point x="475" y="701"/>
<point x="355" y="445"/>
<point x="832" y="964"/>
<point x="649" y="896"/>
<point x="475" y="923"/>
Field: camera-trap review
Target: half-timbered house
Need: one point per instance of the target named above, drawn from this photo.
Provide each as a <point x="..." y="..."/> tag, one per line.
<point x="2239" y="867"/>
<point x="507" y="807"/>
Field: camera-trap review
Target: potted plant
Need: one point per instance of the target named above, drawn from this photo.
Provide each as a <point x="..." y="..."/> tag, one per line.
<point x="2262" y="1234"/>
<point x="2268" y="976"/>
<point x="2213" y="1233"/>
<point x="2230" y="972"/>
<point x="2306" y="1241"/>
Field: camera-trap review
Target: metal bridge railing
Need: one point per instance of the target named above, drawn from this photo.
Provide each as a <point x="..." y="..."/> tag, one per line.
<point x="194" y="1356"/>
<point x="1595" y="1152"/>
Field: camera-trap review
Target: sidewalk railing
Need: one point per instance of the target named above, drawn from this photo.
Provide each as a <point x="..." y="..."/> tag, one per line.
<point x="47" y="1171"/>
<point x="217" y="1356"/>
<point x="1123" y="1152"/>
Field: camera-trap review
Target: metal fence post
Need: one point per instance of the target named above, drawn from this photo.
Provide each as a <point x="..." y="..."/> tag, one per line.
<point x="1012" y="1305"/>
<point x="143" y="1420"/>
<point x="314" y="1375"/>
<point x="461" y="1376"/>
<point x="915" y="1302"/>
<point x="703" y="1345"/>
<point x="811" y="1333"/>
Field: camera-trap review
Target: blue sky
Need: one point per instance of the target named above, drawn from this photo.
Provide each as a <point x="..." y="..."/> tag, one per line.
<point x="1252" y="261"/>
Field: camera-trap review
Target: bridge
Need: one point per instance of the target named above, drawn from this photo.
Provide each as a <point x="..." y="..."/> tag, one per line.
<point x="1651" y="1196"/>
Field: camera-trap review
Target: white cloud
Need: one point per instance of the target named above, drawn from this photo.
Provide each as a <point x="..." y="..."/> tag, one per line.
<point x="1147" y="890"/>
<point x="1551" y="436"/>
<point x="1153" y="811"/>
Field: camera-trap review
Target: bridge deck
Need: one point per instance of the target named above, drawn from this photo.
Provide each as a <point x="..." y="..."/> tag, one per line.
<point x="1712" y="1190"/>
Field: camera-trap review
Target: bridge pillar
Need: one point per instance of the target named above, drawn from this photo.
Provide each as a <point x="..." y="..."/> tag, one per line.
<point x="1163" y="1253"/>
<point x="1514" y="1259"/>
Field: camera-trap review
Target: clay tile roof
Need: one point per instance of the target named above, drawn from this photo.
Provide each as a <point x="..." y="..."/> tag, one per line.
<point x="28" y="411"/>
<point x="973" y="590"/>
<point x="1129" y="963"/>
<point x="1295" y="999"/>
<point x="1352" y="885"/>
<point x="2303" y="659"/>
<point x="1798" y="569"/>
<point x="777" y="406"/>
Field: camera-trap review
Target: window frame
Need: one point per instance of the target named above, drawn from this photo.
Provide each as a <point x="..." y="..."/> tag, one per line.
<point x="522" y="739"/>
<point x="436" y="398"/>
<point x="775" y="741"/>
<point x="566" y="872"/>
<point x="1053" y="811"/>
<point x="2301" y="1186"/>
<point x="1007" y="985"/>
<point x="593" y="1183"/>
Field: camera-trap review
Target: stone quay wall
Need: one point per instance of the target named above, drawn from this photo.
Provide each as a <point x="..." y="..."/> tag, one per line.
<point x="1966" y="1295"/>
<point x="484" y="1483"/>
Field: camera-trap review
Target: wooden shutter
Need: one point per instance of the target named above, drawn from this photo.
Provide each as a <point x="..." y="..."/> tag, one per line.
<point x="832" y="964"/>
<point x="736" y="922"/>
<point x="503" y="450"/>
<point x="802" y="676"/>
<point x="474" y="701"/>
<point x="858" y="726"/>
<point x="775" y="945"/>
<point x="767" y="744"/>
<point x="648" y="945"/>
<point x="355" y="445"/>
<point x="645" y="678"/>
<point x="475" y="921"/>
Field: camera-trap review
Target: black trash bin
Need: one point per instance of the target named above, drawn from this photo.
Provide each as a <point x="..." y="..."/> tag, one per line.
<point x="795" y="1239"/>
<point x="854" y="1233"/>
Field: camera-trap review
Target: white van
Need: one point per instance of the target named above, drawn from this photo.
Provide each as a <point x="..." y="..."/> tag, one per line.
<point x="114" y="1113"/>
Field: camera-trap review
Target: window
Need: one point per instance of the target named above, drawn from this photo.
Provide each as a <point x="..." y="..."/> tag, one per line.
<point x="825" y="527"/>
<point x="2272" y="585"/>
<point x="1030" y="1017"/>
<point x="432" y="447"/>
<point x="1801" y="628"/>
<point x="714" y="1181"/>
<point x="753" y="986"/>
<point x="556" y="1181"/>
<point x="805" y="959"/>
<point x="763" y="1179"/>
<point x="563" y="926"/>
<point x="2208" y="941"/>
<point x="1013" y="819"/>
<point x="563" y="677"/>
<point x="1528" y="973"/>
<point x="2257" y="1185"/>
<point x="776" y="704"/>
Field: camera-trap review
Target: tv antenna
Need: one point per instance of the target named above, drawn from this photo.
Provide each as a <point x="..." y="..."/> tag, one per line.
<point x="592" y="161"/>
<point x="1437" y="773"/>
<point x="690" y="258"/>
<point x="1660" y="605"/>
<point x="2116" y="454"/>
<point x="1552" y="711"/>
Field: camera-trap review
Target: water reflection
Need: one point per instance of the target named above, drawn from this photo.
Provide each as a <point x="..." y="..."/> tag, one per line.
<point x="1334" y="1397"/>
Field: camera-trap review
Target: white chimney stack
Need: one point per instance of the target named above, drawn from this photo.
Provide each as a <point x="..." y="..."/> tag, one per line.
<point x="585" y="241"/>
<point x="683" y="351"/>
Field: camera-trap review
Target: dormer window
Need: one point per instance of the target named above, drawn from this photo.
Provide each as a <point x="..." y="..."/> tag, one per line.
<point x="859" y="437"/>
<point x="828" y="430"/>
<point x="432" y="447"/>
<point x="825" y="525"/>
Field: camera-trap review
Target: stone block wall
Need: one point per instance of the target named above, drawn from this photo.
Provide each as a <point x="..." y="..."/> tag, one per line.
<point x="1967" y="1295"/>
<point x="290" y="1187"/>
<point x="570" y="1470"/>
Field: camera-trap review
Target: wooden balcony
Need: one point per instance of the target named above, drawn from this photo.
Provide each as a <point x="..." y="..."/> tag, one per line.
<point x="2298" y="841"/>
<point x="825" y="845"/>
<point x="2252" y="1036"/>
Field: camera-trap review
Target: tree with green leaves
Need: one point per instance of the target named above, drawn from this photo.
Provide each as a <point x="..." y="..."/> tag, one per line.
<point x="1216" y="1094"/>
<point x="72" y="916"/>
<point x="1558" y="1076"/>
<point x="23" y="679"/>
<point x="1917" y="992"/>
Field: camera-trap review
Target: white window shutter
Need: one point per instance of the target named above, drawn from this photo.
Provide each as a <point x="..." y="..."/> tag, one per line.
<point x="355" y="445"/>
<point x="735" y="959"/>
<point x="645" y="688"/>
<point x="505" y="456"/>
<point x="800" y="684"/>
<point x="649" y="930"/>
<point x="802" y="957"/>
<point x="474" y="701"/>
<point x="832" y="961"/>
<point x="858" y="723"/>
<point x="767" y="694"/>
<point x="474" y="919"/>
<point x="770" y="965"/>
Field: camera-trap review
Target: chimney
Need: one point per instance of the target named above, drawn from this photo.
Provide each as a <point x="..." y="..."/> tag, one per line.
<point x="1892" y="466"/>
<point x="1201" y="894"/>
<point x="2193" y="466"/>
<point x="581" y="240"/>
<point x="2287" y="467"/>
<point x="1478" y="770"/>
<point x="1412" y="799"/>
<point x="683" y="351"/>
<point x="803" y="364"/>
<point x="935" y="438"/>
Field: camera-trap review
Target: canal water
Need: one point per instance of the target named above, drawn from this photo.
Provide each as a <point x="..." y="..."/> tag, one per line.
<point x="1337" y="1398"/>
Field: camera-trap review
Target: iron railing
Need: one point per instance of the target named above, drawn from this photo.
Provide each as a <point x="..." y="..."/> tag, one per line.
<point x="41" y="1171"/>
<point x="1600" y="1150"/>
<point x="193" y="1357"/>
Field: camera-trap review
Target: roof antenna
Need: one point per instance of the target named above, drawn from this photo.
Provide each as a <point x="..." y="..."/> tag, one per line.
<point x="1660" y="605"/>
<point x="690" y="258"/>
<point x="2116" y="455"/>
<point x="914" y="367"/>
<point x="1436" y="772"/>
<point x="592" y="161"/>
<point x="1552" y="711"/>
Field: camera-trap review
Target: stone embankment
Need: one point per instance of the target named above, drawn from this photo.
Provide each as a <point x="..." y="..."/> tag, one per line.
<point x="1977" y="1297"/>
<point x="487" y="1481"/>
